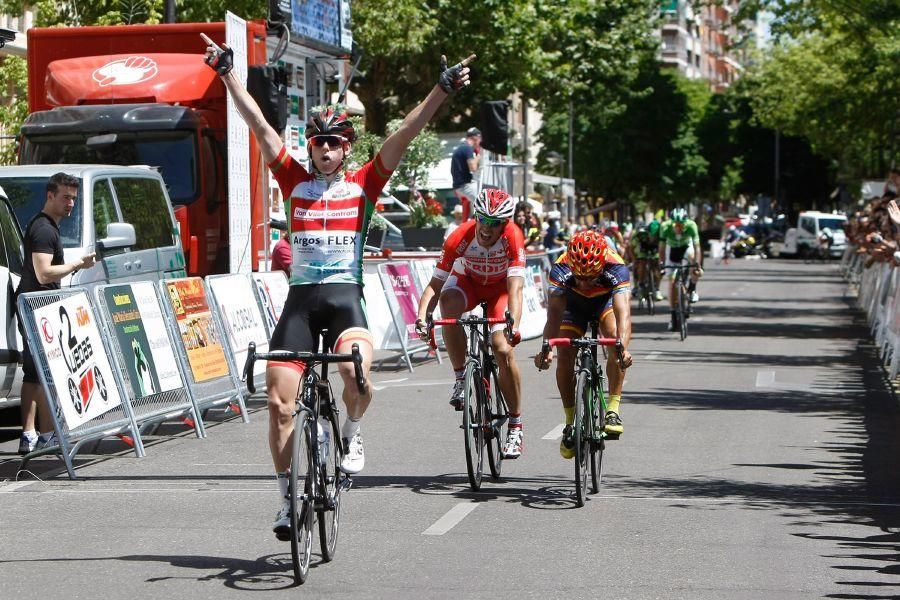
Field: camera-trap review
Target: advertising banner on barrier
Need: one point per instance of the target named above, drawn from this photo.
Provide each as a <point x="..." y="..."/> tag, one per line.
<point x="272" y="288"/>
<point x="204" y="350"/>
<point x="81" y="371"/>
<point x="401" y="280"/>
<point x="140" y="329"/>
<point x="240" y="315"/>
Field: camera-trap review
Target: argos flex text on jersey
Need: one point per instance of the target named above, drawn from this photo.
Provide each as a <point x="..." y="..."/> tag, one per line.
<point x="328" y="222"/>
<point x="463" y="255"/>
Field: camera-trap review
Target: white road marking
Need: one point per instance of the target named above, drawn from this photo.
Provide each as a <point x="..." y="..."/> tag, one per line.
<point x="555" y="433"/>
<point x="766" y="379"/>
<point x="446" y="382"/>
<point x="6" y="489"/>
<point x="653" y="355"/>
<point x="451" y="519"/>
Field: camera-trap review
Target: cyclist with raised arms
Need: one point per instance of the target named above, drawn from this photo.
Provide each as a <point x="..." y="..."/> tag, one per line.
<point x="588" y="282"/>
<point x="483" y="260"/>
<point x="679" y="239"/>
<point x="328" y="212"/>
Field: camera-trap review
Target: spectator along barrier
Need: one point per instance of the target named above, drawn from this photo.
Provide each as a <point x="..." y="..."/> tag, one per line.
<point x="878" y="294"/>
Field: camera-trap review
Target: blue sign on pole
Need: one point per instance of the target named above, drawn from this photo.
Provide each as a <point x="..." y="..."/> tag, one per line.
<point x="324" y="23"/>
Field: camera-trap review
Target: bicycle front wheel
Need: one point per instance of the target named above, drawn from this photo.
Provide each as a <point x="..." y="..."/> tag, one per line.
<point x="302" y="477"/>
<point x="682" y="312"/>
<point x="498" y="414"/>
<point x="597" y="442"/>
<point x="331" y="484"/>
<point x="474" y="425"/>
<point x="580" y="435"/>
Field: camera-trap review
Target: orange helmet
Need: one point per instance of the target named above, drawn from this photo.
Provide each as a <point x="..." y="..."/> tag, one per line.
<point x="586" y="253"/>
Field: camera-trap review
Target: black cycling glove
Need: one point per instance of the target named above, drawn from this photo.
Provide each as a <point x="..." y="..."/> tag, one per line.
<point x="222" y="62"/>
<point x="450" y="79"/>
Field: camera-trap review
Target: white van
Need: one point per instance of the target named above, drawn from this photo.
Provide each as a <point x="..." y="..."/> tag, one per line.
<point x="10" y="274"/>
<point x="803" y="238"/>
<point x="122" y="213"/>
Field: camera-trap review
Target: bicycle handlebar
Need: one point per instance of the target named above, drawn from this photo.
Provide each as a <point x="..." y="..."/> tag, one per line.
<point x="467" y="321"/>
<point x="309" y="357"/>
<point x="584" y="343"/>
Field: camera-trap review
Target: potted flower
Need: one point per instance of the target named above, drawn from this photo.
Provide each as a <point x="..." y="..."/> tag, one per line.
<point x="377" y="227"/>
<point x="426" y="222"/>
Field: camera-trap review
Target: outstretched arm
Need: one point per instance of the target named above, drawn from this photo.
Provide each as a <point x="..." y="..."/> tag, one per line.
<point x="451" y="79"/>
<point x="219" y="59"/>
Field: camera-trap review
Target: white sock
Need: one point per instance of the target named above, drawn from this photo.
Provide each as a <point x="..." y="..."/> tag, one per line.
<point x="350" y="428"/>
<point x="30" y="434"/>
<point x="283" y="482"/>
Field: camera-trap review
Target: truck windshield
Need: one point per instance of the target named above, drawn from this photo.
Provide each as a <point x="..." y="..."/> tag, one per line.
<point x="27" y="196"/>
<point x="832" y="224"/>
<point x="173" y="152"/>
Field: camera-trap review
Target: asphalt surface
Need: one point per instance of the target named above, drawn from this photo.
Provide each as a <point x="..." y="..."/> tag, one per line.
<point x="759" y="460"/>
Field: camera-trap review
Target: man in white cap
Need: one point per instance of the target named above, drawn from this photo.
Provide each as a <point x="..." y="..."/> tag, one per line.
<point x="456" y="222"/>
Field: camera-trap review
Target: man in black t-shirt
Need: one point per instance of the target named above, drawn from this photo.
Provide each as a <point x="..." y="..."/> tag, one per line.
<point x="463" y="165"/>
<point x="43" y="269"/>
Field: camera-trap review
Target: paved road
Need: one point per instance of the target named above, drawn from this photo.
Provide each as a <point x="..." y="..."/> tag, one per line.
<point x="759" y="461"/>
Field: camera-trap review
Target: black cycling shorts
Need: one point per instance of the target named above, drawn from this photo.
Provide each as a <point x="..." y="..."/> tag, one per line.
<point x="581" y="310"/>
<point x="309" y="309"/>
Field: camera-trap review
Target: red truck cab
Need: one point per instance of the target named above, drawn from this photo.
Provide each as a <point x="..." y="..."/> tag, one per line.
<point x="141" y="94"/>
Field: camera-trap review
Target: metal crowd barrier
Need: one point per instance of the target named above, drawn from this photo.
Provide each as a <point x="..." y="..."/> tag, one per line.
<point x="878" y="295"/>
<point x="210" y="371"/>
<point x="143" y="343"/>
<point x="83" y="389"/>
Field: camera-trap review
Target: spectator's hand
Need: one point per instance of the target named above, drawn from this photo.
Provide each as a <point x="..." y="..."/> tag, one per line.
<point x="894" y="211"/>
<point x="456" y="77"/>
<point x="88" y="260"/>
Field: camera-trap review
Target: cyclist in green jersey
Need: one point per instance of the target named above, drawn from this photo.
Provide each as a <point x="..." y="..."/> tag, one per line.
<point x="679" y="239"/>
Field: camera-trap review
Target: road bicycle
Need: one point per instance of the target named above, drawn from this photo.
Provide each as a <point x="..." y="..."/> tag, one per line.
<point x="315" y="482"/>
<point x="588" y="433"/>
<point x="484" y="407"/>
<point x="682" y="296"/>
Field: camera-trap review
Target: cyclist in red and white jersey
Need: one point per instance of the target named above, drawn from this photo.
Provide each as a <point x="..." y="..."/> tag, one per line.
<point x="483" y="260"/>
<point x="328" y="212"/>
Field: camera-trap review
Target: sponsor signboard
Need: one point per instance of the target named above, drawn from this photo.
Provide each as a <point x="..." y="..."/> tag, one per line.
<point x="400" y="277"/>
<point x="272" y="288"/>
<point x="206" y="356"/>
<point x="239" y="312"/>
<point x="77" y="359"/>
<point x="138" y="325"/>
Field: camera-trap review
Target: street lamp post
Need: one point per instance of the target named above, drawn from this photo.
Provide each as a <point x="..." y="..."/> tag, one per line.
<point x="556" y="159"/>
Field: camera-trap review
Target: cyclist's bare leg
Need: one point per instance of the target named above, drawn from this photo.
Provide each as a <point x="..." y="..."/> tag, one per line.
<point x="282" y="384"/>
<point x="510" y="381"/>
<point x="453" y="304"/>
<point x="613" y="371"/>
<point x="640" y="265"/>
<point x="565" y="366"/>
<point x="672" y="296"/>
<point x="355" y="402"/>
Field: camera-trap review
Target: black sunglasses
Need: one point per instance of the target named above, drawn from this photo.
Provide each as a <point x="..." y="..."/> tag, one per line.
<point x="333" y="141"/>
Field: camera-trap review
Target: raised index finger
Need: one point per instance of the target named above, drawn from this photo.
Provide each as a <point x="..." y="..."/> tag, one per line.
<point x="468" y="59"/>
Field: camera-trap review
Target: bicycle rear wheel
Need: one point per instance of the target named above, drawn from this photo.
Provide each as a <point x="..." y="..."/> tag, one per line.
<point x="331" y="482"/>
<point x="301" y="484"/>
<point x="498" y="415"/>
<point x="582" y="443"/>
<point x="474" y="425"/>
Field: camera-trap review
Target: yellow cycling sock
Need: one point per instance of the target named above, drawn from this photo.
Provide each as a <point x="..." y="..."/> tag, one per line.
<point x="570" y="414"/>
<point x="613" y="404"/>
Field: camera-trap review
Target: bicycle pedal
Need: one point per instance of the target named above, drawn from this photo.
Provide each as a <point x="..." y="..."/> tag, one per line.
<point x="346" y="483"/>
<point x="612" y="436"/>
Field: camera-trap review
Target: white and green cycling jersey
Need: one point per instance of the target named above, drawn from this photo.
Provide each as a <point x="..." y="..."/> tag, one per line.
<point x="672" y="239"/>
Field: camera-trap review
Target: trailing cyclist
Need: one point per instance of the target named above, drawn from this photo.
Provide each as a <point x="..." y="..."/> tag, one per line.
<point x="643" y="253"/>
<point x="678" y="240"/>
<point x="589" y="282"/>
<point x="490" y="268"/>
<point x="328" y="211"/>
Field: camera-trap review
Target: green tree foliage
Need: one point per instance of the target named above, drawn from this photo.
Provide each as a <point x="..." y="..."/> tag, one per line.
<point x="833" y="77"/>
<point x="13" y="104"/>
<point x="421" y="155"/>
